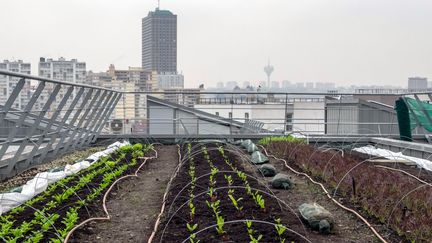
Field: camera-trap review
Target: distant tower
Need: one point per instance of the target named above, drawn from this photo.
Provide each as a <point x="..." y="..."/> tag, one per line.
<point x="268" y="70"/>
<point x="159" y="41"/>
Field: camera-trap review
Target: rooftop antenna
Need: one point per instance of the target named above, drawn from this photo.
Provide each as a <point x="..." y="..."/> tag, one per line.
<point x="158" y="4"/>
<point x="268" y="70"/>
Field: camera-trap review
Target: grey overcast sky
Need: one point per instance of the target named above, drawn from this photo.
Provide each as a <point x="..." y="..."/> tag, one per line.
<point x="342" y="41"/>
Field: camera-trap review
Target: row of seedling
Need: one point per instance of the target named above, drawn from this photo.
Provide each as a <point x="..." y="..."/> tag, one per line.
<point x="393" y="198"/>
<point x="44" y="218"/>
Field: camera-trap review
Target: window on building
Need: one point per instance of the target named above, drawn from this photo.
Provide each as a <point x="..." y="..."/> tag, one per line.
<point x="230" y="115"/>
<point x="217" y="113"/>
<point x="246" y="115"/>
<point x="288" y="119"/>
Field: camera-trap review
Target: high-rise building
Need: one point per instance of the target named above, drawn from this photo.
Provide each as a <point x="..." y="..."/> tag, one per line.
<point x="275" y="85"/>
<point x="102" y="79"/>
<point x="170" y="81"/>
<point x="230" y="85"/>
<point x="70" y="71"/>
<point x="159" y="41"/>
<point x="246" y="84"/>
<point x="8" y="83"/>
<point x="417" y="84"/>
<point x="309" y="85"/>
<point x="137" y="75"/>
<point x="61" y="69"/>
<point x="286" y="84"/>
<point x="220" y="85"/>
<point x="324" y="87"/>
<point x="132" y="79"/>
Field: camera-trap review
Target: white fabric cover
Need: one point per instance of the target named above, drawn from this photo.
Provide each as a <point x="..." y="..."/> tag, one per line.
<point x="371" y="150"/>
<point x="41" y="181"/>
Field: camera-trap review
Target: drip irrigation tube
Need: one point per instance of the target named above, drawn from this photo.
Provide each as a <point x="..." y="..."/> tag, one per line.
<point x="329" y="196"/>
<point x="108" y="217"/>
<point x="404" y="172"/>
<point x="165" y="197"/>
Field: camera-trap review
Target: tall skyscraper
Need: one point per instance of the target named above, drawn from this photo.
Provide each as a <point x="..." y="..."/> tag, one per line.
<point x="159" y="41"/>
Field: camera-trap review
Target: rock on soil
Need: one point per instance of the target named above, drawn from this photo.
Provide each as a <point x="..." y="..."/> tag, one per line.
<point x="281" y="181"/>
<point x="267" y="170"/>
<point x="318" y="217"/>
<point x="259" y="158"/>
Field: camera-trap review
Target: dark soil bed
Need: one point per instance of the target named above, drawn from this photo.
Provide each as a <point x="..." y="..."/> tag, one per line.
<point x="176" y="230"/>
<point x="385" y="197"/>
<point x="134" y="204"/>
<point x="91" y="209"/>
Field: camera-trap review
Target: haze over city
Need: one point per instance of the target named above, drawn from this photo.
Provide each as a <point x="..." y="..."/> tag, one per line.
<point x="341" y="41"/>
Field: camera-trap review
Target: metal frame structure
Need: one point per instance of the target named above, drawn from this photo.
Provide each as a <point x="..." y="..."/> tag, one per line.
<point x="70" y="117"/>
<point x="60" y="116"/>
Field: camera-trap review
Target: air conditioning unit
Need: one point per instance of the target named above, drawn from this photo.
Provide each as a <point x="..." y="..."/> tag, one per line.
<point x="117" y="126"/>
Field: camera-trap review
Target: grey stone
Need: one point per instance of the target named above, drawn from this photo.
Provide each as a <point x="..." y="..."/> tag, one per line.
<point x="258" y="158"/>
<point x="252" y="148"/>
<point x="267" y="170"/>
<point x="281" y="181"/>
<point x="318" y="217"/>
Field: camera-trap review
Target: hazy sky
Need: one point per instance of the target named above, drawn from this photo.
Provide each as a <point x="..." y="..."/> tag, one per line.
<point x="341" y="41"/>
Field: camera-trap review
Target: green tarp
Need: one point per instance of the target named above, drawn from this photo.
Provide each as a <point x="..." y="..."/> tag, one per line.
<point x="419" y="112"/>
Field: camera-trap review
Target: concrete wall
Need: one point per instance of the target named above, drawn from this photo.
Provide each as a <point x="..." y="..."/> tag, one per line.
<point x="375" y="121"/>
<point x="206" y="127"/>
<point x="273" y="115"/>
<point x="161" y="119"/>
<point x="309" y="117"/>
<point x="305" y="115"/>
<point x="238" y="111"/>
<point x="342" y="118"/>
<point x="166" y="120"/>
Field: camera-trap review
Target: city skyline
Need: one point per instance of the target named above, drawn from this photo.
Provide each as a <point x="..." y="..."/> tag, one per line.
<point x="384" y="41"/>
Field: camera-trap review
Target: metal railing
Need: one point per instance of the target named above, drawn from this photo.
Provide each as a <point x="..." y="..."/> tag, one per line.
<point x="41" y="118"/>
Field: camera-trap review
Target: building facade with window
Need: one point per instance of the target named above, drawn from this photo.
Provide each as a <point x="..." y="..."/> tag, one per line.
<point x="159" y="41"/>
<point x="71" y="71"/>
<point x="8" y="83"/>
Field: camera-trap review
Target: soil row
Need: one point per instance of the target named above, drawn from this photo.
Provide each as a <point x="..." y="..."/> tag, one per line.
<point x="228" y="204"/>
<point x="392" y="198"/>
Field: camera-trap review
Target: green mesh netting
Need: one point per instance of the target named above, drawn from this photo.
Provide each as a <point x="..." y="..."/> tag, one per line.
<point x="417" y="108"/>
